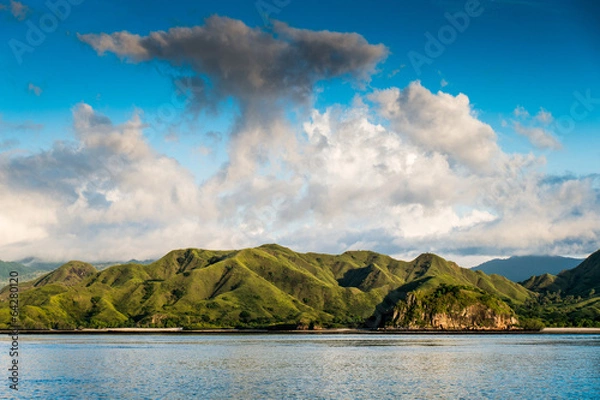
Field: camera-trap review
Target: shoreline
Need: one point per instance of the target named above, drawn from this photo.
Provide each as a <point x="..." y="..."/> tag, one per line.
<point x="340" y="331"/>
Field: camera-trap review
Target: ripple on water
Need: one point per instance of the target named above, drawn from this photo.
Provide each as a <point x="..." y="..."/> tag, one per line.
<point x="310" y="367"/>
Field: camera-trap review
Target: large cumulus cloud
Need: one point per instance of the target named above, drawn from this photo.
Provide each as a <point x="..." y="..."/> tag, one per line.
<point x="263" y="71"/>
<point x="354" y="183"/>
<point x="102" y="195"/>
<point x="401" y="170"/>
<point x="440" y="122"/>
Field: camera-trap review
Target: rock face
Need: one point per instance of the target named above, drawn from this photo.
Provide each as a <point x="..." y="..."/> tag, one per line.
<point x="450" y="308"/>
<point x="473" y="317"/>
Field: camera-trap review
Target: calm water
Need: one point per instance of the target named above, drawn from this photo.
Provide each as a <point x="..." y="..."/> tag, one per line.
<point x="307" y="367"/>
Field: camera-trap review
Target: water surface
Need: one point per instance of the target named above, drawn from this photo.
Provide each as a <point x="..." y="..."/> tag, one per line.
<point x="307" y="366"/>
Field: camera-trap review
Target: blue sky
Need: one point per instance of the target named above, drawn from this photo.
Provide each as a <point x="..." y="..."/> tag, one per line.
<point x="517" y="81"/>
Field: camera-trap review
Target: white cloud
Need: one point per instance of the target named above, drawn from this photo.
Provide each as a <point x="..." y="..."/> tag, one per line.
<point x="419" y="173"/>
<point x="439" y="122"/>
<point x="544" y="116"/>
<point x="108" y="187"/>
<point x="538" y="136"/>
<point x="263" y="71"/>
<point x="520" y="111"/>
<point x="535" y="128"/>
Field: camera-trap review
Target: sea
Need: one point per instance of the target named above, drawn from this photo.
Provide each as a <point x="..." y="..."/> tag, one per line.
<point x="304" y="366"/>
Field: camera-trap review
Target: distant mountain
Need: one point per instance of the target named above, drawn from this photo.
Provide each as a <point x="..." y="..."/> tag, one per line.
<point x="7" y="267"/>
<point x="28" y="269"/>
<point x="520" y="268"/>
<point x="270" y="286"/>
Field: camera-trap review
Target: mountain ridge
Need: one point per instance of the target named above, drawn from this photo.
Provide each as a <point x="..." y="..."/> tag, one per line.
<point x="272" y="287"/>
<point x="266" y="286"/>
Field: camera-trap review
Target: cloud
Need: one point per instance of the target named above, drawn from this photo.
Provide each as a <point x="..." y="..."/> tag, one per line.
<point x="250" y="63"/>
<point x="263" y="71"/>
<point x="538" y="137"/>
<point x="20" y="126"/>
<point x="8" y="144"/>
<point x="366" y="186"/>
<point x="396" y="71"/>
<point x="34" y="89"/>
<point x="544" y="116"/>
<point x="398" y="170"/>
<point x="19" y="10"/>
<point x="93" y="193"/>
<point x="520" y="111"/>
<point x="535" y="128"/>
<point x="354" y="181"/>
<point x="439" y="122"/>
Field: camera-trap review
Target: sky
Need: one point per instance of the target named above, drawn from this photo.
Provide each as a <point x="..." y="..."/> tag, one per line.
<point x="469" y="129"/>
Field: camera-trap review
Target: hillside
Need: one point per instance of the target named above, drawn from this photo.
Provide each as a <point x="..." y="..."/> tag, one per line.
<point x="267" y="286"/>
<point x="520" y="268"/>
<point x="578" y="281"/>
<point x="570" y="298"/>
<point x="31" y="268"/>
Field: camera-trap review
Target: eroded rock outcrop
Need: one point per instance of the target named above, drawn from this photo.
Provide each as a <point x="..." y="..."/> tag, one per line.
<point x="450" y="308"/>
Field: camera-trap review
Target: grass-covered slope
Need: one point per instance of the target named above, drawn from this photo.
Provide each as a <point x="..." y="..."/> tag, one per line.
<point x="260" y="287"/>
<point x="571" y="298"/>
<point x="578" y="281"/>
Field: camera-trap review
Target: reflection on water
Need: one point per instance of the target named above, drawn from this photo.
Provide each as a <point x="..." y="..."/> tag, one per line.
<point x="309" y="366"/>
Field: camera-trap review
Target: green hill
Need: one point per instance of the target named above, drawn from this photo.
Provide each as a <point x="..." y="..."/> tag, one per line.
<point x="31" y="268"/>
<point x="268" y="286"/>
<point x="571" y="298"/>
<point x="578" y="281"/>
<point x="70" y="274"/>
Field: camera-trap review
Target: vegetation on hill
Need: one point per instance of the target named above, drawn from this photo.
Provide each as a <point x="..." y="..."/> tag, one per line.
<point x="551" y="309"/>
<point x="571" y="298"/>
<point x="272" y="286"/>
<point x="450" y="307"/>
<point x="267" y="286"/>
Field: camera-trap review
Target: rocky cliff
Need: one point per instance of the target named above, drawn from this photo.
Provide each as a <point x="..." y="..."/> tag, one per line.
<point x="449" y="308"/>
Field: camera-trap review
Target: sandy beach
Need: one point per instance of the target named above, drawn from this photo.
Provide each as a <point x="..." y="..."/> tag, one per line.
<point x="594" y="331"/>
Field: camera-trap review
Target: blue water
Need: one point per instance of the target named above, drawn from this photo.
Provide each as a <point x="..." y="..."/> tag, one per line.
<point x="306" y="367"/>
